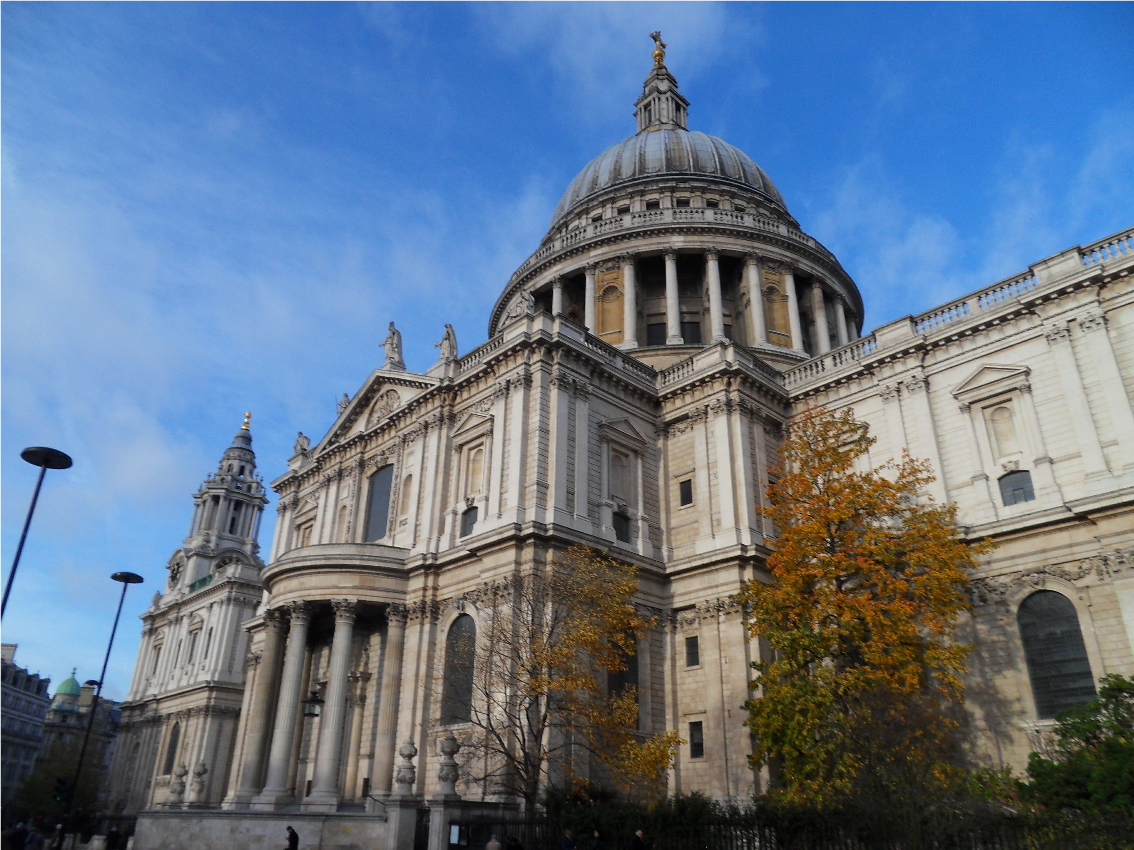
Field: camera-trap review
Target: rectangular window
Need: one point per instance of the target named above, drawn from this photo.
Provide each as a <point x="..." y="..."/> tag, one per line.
<point x="655" y="334"/>
<point x="691" y="333"/>
<point x="208" y="641"/>
<point x="696" y="740"/>
<point x="685" y="490"/>
<point x="468" y="521"/>
<point x="692" y="651"/>
<point x="623" y="210"/>
<point x="712" y="204"/>
<point x="653" y="205"/>
<point x="622" y="527"/>
<point x="682" y="203"/>
<point x="157" y="658"/>
<point x="728" y="332"/>
<point x="378" y="514"/>
<point x="192" y="647"/>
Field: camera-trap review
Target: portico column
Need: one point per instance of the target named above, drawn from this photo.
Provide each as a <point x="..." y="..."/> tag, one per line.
<point x="387" y="722"/>
<point x="354" y="742"/>
<point x="716" y="311"/>
<point x="629" y="303"/>
<point x="589" y="300"/>
<point x="672" y="304"/>
<point x="325" y="789"/>
<point x="793" y="311"/>
<point x="557" y="296"/>
<point x="758" y="334"/>
<point x="819" y="319"/>
<point x="841" y="321"/>
<point x="263" y="697"/>
<point x="287" y="709"/>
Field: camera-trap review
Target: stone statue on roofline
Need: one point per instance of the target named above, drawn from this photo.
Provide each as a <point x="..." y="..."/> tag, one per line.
<point x="448" y="345"/>
<point x="393" y="346"/>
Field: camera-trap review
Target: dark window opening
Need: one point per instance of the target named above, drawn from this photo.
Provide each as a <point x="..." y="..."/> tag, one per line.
<point x="307" y="789"/>
<point x="626" y="679"/>
<point x="1056" y="656"/>
<point x="1016" y="487"/>
<point x="740" y="207"/>
<point x="682" y="203"/>
<point x="456" y="694"/>
<point x="241" y="472"/>
<point x="192" y="647"/>
<point x="712" y="204"/>
<point x="596" y="218"/>
<point x="691" y="333"/>
<point x="171" y="749"/>
<point x="685" y="491"/>
<point x="653" y="205"/>
<point x="378" y="512"/>
<point x="208" y="643"/>
<point x="692" y="651"/>
<point x="365" y="787"/>
<point x="468" y="521"/>
<point x="655" y="334"/>
<point x="728" y="332"/>
<point x="234" y="519"/>
<point x="696" y="740"/>
<point x="623" y="210"/>
<point x="621" y="524"/>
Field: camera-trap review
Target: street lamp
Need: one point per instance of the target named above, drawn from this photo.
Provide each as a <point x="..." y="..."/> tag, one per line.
<point x="45" y="459"/>
<point x="127" y="579"/>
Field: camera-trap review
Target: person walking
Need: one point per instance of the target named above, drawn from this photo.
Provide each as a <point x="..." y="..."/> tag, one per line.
<point x="568" y="843"/>
<point x="292" y="839"/>
<point x="596" y="843"/>
<point x="638" y="842"/>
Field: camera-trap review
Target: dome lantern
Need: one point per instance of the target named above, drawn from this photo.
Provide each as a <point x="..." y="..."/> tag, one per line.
<point x="661" y="106"/>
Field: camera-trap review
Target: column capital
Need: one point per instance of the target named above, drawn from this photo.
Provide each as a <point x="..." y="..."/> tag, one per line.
<point x="590" y="268"/>
<point x="1093" y="321"/>
<point x="345" y="609"/>
<point x="274" y="618"/>
<point x="712" y="253"/>
<point x="627" y="257"/>
<point x="752" y="259"/>
<point x="300" y="612"/>
<point x="1058" y="333"/>
<point x="396" y="612"/>
<point x="669" y="255"/>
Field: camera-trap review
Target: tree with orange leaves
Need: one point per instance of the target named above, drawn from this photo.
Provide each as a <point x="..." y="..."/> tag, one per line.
<point x="860" y="691"/>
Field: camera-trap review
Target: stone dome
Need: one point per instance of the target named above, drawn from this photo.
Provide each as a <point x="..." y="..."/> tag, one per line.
<point x="666" y="152"/>
<point x="68" y="687"/>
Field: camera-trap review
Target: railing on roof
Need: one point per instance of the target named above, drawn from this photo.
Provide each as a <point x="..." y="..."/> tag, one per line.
<point x="649" y="218"/>
<point x="1111" y="248"/>
<point x="1118" y="246"/>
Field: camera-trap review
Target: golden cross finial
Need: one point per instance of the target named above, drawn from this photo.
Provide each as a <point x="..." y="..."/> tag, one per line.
<point x="247" y="420"/>
<point x="659" y="49"/>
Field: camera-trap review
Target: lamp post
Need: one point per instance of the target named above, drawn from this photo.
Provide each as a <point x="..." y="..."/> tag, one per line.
<point x="127" y="579"/>
<point x="45" y="459"/>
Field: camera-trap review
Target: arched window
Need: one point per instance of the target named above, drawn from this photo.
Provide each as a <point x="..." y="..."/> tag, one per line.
<point x="171" y="750"/>
<point x="1004" y="432"/>
<point x="407" y="491"/>
<point x="474" y="474"/>
<point x="610" y="314"/>
<point x="776" y="322"/>
<point x="460" y="650"/>
<point x="1016" y="487"/>
<point x="1057" y="658"/>
<point x="378" y="512"/>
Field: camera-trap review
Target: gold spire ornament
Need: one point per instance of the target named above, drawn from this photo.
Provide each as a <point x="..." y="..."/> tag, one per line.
<point x="247" y="421"/>
<point x="659" y="49"/>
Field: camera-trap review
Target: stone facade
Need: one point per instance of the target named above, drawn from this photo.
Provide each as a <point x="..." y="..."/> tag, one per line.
<point x="180" y="715"/>
<point x="640" y="369"/>
<point x="25" y="703"/>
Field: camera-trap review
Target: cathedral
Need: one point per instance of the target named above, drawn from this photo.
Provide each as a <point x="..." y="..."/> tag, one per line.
<point x="639" y="371"/>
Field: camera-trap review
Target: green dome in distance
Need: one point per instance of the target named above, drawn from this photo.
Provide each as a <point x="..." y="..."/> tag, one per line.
<point x="69" y="687"/>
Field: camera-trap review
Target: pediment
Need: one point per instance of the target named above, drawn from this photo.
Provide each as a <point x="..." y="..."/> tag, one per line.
<point x="383" y="394"/>
<point x="472" y="423"/>
<point x="624" y="430"/>
<point x="990" y="379"/>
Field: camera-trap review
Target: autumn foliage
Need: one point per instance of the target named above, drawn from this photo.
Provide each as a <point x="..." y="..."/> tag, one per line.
<point x="868" y="576"/>
<point x="548" y="642"/>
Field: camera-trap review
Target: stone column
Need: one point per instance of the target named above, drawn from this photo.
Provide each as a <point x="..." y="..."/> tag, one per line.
<point x="841" y="321"/>
<point x="892" y="408"/>
<point x="1098" y="342"/>
<point x="793" y="311"/>
<point x="589" y="300"/>
<point x="672" y="301"/>
<point x="354" y="742"/>
<point x="557" y="296"/>
<point x="629" y="304"/>
<point x="259" y="712"/>
<point x="287" y="711"/>
<point x="582" y="451"/>
<point x="819" y="320"/>
<point x="325" y="789"/>
<point x="387" y="722"/>
<point x="1087" y="436"/>
<point x="716" y="310"/>
<point x="757" y="333"/>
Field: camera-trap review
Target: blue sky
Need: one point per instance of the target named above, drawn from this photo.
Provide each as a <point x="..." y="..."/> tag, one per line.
<point x="210" y="208"/>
